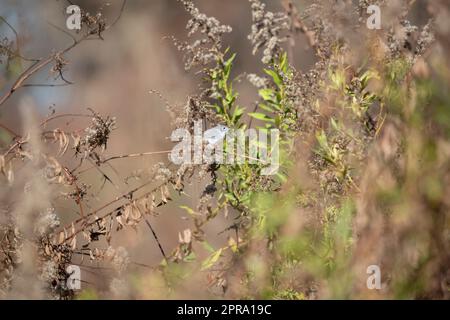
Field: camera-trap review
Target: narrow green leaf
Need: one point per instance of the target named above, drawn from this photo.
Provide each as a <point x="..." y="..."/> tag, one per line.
<point x="211" y="260"/>
<point x="261" y="116"/>
<point x="276" y="78"/>
<point x="266" y="94"/>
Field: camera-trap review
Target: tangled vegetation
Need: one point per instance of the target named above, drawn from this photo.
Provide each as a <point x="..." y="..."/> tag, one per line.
<point x="364" y="172"/>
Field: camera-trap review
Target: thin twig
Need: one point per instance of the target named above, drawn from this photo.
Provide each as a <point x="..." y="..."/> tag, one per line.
<point x="17" y="53"/>
<point x="43" y="123"/>
<point x="16" y="135"/>
<point x="156" y="239"/>
<point x="132" y="155"/>
<point x="45" y="85"/>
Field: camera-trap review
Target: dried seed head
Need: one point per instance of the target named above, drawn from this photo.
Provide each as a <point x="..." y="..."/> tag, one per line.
<point x="204" y="50"/>
<point x="96" y="135"/>
<point x="268" y="30"/>
<point x="47" y="222"/>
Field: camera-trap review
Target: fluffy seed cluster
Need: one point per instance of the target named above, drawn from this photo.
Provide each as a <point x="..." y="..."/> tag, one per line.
<point x="49" y="271"/>
<point x="204" y="50"/>
<point x="97" y="134"/>
<point x="47" y="222"/>
<point x="119" y="258"/>
<point x="162" y="173"/>
<point x="409" y="41"/>
<point x="426" y="38"/>
<point x="267" y="30"/>
<point x="95" y="24"/>
<point x="257" y="81"/>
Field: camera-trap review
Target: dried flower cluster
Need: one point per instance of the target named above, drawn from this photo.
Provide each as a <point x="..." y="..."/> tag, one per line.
<point x="407" y="41"/>
<point x="96" y="135"/>
<point x="95" y="24"/>
<point x="204" y="50"/>
<point x="268" y="31"/>
<point x="47" y="223"/>
<point x="257" y="81"/>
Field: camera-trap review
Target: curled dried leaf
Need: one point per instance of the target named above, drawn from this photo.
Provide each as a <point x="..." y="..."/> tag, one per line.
<point x="47" y="250"/>
<point x="63" y="143"/>
<point x="186" y="237"/>
<point x="127" y="212"/>
<point x="62" y="237"/>
<point x="135" y="213"/>
<point x="73" y="243"/>
<point x="120" y="223"/>
<point x="10" y="173"/>
<point x="72" y="229"/>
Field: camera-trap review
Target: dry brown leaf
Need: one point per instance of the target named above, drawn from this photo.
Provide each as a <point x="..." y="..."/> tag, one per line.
<point x="73" y="243"/>
<point x="10" y="173"/>
<point x="135" y="212"/>
<point x="62" y="237"/>
<point x="47" y="250"/>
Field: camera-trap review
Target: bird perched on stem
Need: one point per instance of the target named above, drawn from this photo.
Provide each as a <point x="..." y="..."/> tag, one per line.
<point x="214" y="135"/>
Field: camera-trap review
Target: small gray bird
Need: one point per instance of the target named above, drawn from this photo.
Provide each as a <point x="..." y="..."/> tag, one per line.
<point x="215" y="135"/>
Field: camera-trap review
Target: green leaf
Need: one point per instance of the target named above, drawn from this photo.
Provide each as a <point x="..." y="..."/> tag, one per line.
<point x="282" y="177"/>
<point x="267" y="94"/>
<point x="335" y="124"/>
<point x="322" y="139"/>
<point x="261" y="116"/>
<point x="277" y="120"/>
<point x="230" y="60"/>
<point x="370" y="74"/>
<point x="266" y="107"/>
<point x="211" y="260"/>
<point x="338" y="79"/>
<point x="276" y="78"/>
<point x="237" y="114"/>
<point x="191" y="257"/>
<point x="228" y="64"/>
<point x="284" y="63"/>
<point x="189" y="210"/>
